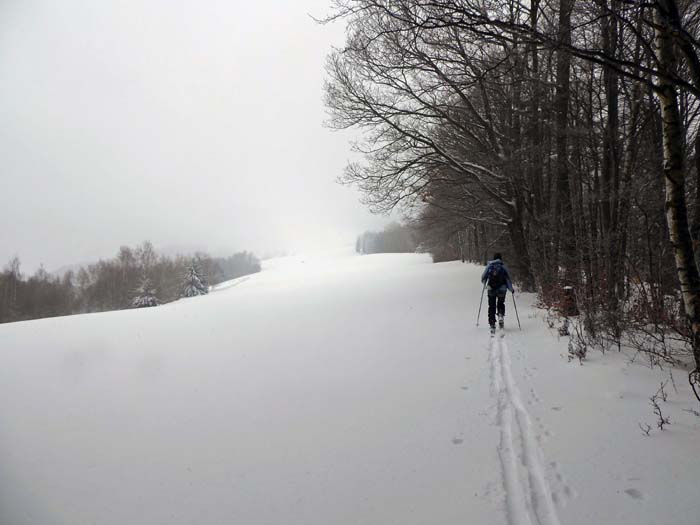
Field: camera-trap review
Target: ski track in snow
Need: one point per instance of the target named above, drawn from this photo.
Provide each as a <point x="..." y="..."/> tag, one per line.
<point x="230" y="284"/>
<point x="528" y="496"/>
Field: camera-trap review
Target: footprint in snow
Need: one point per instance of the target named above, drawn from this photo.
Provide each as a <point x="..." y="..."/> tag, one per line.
<point x="634" y="493"/>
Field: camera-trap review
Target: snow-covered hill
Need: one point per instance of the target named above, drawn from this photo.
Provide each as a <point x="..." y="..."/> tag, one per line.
<point x="333" y="389"/>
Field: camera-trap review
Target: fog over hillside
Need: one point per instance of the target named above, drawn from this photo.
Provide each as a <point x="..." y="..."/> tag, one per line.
<point x="177" y="122"/>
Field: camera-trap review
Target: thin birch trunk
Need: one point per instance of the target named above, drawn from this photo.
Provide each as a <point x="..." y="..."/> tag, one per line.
<point x="674" y="175"/>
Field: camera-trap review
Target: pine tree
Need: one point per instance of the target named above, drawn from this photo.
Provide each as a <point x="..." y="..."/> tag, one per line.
<point x="145" y="295"/>
<point x="197" y="263"/>
<point x="192" y="284"/>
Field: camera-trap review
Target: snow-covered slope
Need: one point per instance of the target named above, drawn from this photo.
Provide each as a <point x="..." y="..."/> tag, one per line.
<point x="332" y="390"/>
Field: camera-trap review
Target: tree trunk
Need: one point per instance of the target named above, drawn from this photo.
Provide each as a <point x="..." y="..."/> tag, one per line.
<point x="611" y="161"/>
<point x="524" y="264"/>
<point x="674" y="175"/>
<point x="562" y="192"/>
<point x="695" y="231"/>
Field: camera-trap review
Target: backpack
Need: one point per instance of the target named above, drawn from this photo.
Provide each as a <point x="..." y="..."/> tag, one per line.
<point x="497" y="276"/>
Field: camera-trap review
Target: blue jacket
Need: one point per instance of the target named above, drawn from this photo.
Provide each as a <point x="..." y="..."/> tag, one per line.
<point x="484" y="276"/>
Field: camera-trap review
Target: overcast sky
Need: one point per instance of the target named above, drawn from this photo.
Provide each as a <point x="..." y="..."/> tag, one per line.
<point x="190" y="123"/>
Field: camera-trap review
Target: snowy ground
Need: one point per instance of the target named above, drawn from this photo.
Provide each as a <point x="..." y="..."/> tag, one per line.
<point x="333" y="390"/>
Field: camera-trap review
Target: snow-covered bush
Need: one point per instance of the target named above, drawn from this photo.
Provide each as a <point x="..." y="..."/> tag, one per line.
<point x="145" y="295"/>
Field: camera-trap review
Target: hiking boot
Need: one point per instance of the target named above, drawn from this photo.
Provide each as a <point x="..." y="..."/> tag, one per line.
<point x="500" y="321"/>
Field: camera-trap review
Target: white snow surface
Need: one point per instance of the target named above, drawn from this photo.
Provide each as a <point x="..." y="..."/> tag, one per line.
<point x="335" y="389"/>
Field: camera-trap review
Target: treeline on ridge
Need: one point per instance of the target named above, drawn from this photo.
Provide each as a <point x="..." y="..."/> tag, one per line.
<point x="111" y="284"/>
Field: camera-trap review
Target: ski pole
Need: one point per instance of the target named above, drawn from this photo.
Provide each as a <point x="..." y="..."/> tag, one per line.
<point x="516" y="311"/>
<point x="480" y="303"/>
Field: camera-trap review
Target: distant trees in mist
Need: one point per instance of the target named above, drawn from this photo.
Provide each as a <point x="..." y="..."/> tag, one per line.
<point x="395" y="238"/>
<point x="135" y="277"/>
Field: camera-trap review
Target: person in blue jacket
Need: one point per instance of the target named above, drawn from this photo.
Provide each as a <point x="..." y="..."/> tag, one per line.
<point x="497" y="277"/>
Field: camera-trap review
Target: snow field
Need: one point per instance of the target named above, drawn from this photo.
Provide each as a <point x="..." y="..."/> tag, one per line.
<point x="331" y="389"/>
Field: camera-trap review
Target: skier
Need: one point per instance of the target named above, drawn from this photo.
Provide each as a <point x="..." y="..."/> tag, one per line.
<point x="498" y="279"/>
